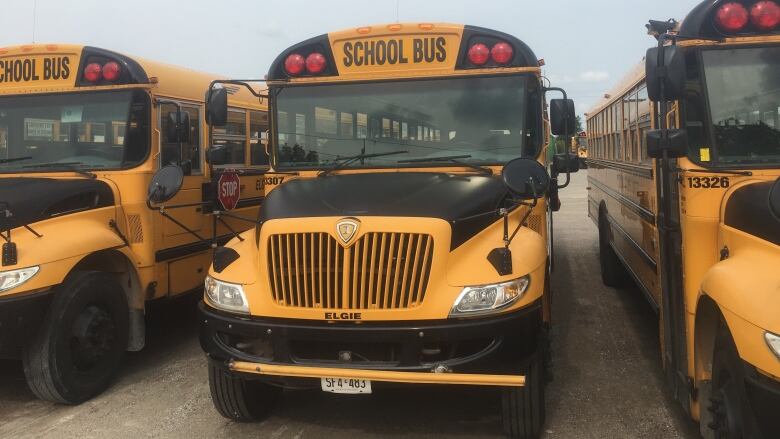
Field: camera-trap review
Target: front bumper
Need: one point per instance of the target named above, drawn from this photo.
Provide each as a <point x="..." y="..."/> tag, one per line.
<point x="764" y="397"/>
<point x="20" y="317"/>
<point x="484" y="351"/>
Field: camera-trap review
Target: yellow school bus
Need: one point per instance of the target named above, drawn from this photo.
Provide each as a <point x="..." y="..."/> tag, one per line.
<point x="684" y="189"/>
<point x="82" y="130"/>
<point x="579" y="146"/>
<point x="405" y="239"/>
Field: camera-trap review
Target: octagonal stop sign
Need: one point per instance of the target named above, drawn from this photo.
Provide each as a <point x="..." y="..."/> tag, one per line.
<point x="228" y="190"/>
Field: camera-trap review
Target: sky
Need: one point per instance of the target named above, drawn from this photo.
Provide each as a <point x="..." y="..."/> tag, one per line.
<point x="587" y="45"/>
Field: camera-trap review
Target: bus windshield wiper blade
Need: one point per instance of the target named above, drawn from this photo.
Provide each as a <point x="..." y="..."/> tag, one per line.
<point x="67" y="166"/>
<point x="15" y="159"/>
<point x="456" y="159"/>
<point x="346" y="161"/>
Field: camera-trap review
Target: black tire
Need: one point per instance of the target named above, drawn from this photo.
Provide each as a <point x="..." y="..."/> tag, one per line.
<point x="613" y="273"/>
<point x="75" y="354"/>
<point x="732" y="417"/>
<point x="241" y="399"/>
<point x="523" y="407"/>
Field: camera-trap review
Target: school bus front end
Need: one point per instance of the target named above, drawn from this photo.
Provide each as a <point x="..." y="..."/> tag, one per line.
<point x="395" y="251"/>
<point x="81" y="133"/>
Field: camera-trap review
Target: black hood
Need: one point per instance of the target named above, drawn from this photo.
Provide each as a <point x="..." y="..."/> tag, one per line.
<point x="450" y="197"/>
<point x="35" y="199"/>
<point x="748" y="210"/>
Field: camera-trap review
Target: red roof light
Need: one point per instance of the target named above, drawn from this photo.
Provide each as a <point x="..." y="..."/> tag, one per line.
<point x="93" y="72"/>
<point x="732" y="17"/>
<point x="502" y="53"/>
<point x="315" y="63"/>
<point x="294" y="64"/>
<point x="111" y="71"/>
<point x="765" y="15"/>
<point x="479" y="54"/>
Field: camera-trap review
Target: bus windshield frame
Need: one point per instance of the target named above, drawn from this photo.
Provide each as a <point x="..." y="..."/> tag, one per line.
<point x="103" y="130"/>
<point x="747" y="138"/>
<point x="416" y="135"/>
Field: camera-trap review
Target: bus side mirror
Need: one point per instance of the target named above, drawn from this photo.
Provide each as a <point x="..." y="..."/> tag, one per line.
<point x="566" y="163"/>
<point x="526" y="179"/>
<point x="165" y="184"/>
<point x="774" y="200"/>
<point x="562" y="117"/>
<point x="216" y="106"/>
<point x="674" y="141"/>
<point x="671" y="76"/>
<point x="217" y="155"/>
<point x="178" y="129"/>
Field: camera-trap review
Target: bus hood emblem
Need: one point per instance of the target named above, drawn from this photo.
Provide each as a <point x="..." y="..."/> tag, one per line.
<point x="346" y="229"/>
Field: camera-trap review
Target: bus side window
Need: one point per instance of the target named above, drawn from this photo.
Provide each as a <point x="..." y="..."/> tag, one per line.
<point x="169" y="152"/>
<point x="233" y="136"/>
<point x="258" y="125"/>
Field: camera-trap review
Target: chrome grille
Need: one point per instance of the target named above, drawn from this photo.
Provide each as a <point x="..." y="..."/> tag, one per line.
<point x="382" y="270"/>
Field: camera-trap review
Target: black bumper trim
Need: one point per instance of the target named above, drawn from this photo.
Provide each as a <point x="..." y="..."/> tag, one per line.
<point x="20" y="317"/>
<point x="508" y="340"/>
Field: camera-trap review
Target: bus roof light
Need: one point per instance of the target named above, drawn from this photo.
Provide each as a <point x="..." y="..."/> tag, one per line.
<point x="765" y="15"/>
<point x="732" y="17"/>
<point x="316" y="63"/>
<point x="294" y="64"/>
<point x="111" y="71"/>
<point x="93" y="72"/>
<point x="502" y="53"/>
<point x="479" y="54"/>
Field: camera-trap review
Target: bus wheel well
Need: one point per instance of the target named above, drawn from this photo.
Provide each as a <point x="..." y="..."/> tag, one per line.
<point x="706" y="329"/>
<point x="604" y="221"/>
<point x="708" y="321"/>
<point x="120" y="266"/>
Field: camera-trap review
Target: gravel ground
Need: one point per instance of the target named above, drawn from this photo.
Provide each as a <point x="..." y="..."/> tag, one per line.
<point x="608" y="382"/>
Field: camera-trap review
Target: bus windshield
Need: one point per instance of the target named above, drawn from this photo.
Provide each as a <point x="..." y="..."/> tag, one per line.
<point x="743" y="87"/>
<point x="480" y="120"/>
<point x="93" y="130"/>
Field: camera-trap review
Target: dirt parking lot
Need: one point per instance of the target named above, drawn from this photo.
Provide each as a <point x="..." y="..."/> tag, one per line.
<point x="608" y="382"/>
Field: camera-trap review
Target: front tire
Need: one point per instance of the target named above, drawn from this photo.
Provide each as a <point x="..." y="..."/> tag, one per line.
<point x="523" y="407"/>
<point x="732" y="417"/>
<point x="77" y="351"/>
<point x="240" y="399"/>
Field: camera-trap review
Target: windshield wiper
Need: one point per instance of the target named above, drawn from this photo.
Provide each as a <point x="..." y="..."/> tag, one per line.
<point x="68" y="166"/>
<point x="14" y="159"/>
<point x="456" y="159"/>
<point x="346" y="161"/>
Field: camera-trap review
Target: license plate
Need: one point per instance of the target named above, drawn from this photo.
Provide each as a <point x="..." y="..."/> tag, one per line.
<point x="350" y="386"/>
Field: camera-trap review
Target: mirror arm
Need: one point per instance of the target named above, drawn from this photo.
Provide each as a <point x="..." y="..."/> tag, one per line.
<point x="175" y="221"/>
<point x="240" y="218"/>
<point x="240" y="82"/>
<point x="224" y="223"/>
<point x="508" y="239"/>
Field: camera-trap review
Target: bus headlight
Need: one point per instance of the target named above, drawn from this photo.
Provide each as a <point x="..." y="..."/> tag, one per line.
<point x="486" y="299"/>
<point x="13" y="278"/>
<point x="225" y="296"/>
<point x="774" y="343"/>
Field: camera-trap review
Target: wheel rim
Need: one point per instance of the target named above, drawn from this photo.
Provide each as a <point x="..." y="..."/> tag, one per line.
<point x="93" y="337"/>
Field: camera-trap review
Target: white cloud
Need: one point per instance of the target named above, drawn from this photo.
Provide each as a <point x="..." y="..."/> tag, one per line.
<point x="594" y="76"/>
